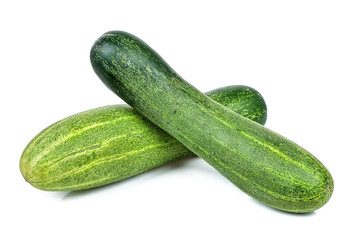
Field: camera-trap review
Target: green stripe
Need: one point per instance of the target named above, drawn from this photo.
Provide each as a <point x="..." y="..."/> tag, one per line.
<point x="106" y="160"/>
<point x="74" y="134"/>
<point x="286" y="177"/>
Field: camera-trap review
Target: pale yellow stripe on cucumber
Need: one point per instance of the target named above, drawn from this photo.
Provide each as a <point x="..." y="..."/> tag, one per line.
<point x="271" y="148"/>
<point x="291" y="178"/>
<point x="76" y="133"/>
<point x="277" y="152"/>
<point x="77" y="153"/>
<point x="111" y="159"/>
<point x="259" y="187"/>
<point x="271" y="170"/>
<point x="86" y="150"/>
<point x="43" y="133"/>
<point x="263" y="189"/>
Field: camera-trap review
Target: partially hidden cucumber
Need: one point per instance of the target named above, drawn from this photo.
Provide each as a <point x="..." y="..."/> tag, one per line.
<point x="265" y="165"/>
<point x="112" y="143"/>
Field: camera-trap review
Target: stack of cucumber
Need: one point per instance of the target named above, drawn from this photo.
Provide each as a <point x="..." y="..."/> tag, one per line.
<point x="169" y="119"/>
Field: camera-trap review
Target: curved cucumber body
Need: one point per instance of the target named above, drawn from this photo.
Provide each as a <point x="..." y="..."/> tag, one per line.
<point x="112" y="143"/>
<point x="265" y="165"/>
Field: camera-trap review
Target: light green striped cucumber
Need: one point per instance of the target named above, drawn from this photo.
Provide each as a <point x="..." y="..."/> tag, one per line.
<point x="267" y="166"/>
<point x="112" y="143"/>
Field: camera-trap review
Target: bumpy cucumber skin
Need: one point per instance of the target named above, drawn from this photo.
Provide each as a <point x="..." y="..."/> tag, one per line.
<point x="265" y="165"/>
<point x="111" y="143"/>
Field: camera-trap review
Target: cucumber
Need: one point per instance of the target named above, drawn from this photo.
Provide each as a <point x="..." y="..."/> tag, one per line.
<point x="262" y="163"/>
<point x="112" y="143"/>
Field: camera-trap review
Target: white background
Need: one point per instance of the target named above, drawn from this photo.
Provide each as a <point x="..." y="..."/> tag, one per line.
<point x="300" y="55"/>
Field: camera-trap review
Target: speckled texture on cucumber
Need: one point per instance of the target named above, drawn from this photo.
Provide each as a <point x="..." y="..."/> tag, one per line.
<point x="262" y="163"/>
<point x="112" y="143"/>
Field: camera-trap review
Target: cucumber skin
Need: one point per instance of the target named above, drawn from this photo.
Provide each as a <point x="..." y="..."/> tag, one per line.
<point x="262" y="163"/>
<point x="111" y="143"/>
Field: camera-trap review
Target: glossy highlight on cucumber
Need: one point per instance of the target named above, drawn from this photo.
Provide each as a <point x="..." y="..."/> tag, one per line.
<point x="262" y="163"/>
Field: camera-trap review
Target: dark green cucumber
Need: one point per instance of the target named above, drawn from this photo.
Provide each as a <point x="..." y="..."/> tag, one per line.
<point x="265" y="165"/>
<point x="112" y="143"/>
